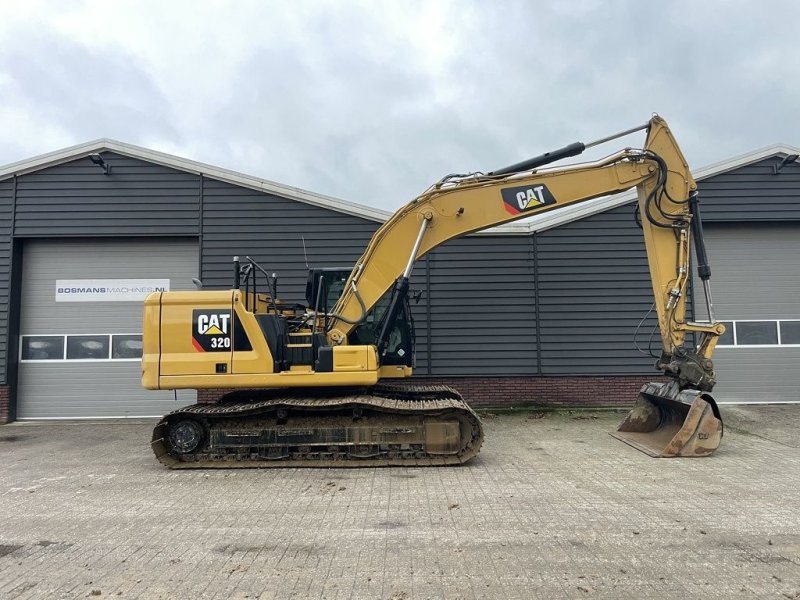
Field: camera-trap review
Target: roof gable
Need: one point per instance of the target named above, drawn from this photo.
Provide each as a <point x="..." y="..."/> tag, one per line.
<point x="183" y="164"/>
<point x="528" y="226"/>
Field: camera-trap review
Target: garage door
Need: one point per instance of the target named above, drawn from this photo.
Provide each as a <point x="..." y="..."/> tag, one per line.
<point x="755" y="282"/>
<point x="81" y="325"/>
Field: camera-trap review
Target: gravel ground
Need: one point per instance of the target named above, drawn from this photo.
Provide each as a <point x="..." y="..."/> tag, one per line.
<point x="553" y="507"/>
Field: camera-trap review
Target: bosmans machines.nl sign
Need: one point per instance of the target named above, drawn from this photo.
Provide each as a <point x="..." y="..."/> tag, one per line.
<point x="108" y="290"/>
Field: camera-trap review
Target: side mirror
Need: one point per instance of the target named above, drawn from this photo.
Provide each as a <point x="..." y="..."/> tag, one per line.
<point x="197" y="283"/>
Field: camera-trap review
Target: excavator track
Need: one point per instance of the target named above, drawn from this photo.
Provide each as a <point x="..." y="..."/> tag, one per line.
<point x="384" y="425"/>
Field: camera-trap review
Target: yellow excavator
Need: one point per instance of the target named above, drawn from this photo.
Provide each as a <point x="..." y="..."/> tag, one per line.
<point x="311" y="385"/>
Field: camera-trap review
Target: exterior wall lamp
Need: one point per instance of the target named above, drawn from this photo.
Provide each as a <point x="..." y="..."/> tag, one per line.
<point x="99" y="161"/>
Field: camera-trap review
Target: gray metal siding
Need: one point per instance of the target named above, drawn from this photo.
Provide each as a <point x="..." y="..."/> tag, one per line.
<point x="593" y="284"/>
<point x="270" y="229"/>
<point x="6" y="224"/>
<point x="137" y="198"/>
<point x="755" y="271"/>
<point x="468" y="276"/>
<point x="104" y="389"/>
<point x="594" y="287"/>
<point x="483" y="312"/>
<point x="593" y="278"/>
<point x="421" y="311"/>
<point x="755" y="375"/>
<point x="242" y="222"/>
<point x="755" y="275"/>
<point x="752" y="193"/>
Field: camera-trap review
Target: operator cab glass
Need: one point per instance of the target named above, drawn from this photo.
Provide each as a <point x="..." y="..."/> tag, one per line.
<point x="400" y="347"/>
<point x="332" y="281"/>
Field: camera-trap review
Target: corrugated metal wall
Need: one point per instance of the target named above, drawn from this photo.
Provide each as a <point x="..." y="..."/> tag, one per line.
<point x="565" y="302"/>
<point x="422" y="314"/>
<point x="752" y="193"/>
<point x="753" y="239"/>
<point x="755" y="276"/>
<point x="270" y="229"/>
<point x="483" y="307"/>
<point x="755" y="271"/>
<point x="482" y="300"/>
<point x="6" y="221"/>
<point x="76" y="199"/>
<point x="594" y="288"/>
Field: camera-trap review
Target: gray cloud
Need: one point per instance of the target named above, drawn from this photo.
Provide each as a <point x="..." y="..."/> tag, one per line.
<point x="371" y="102"/>
<point x="89" y="92"/>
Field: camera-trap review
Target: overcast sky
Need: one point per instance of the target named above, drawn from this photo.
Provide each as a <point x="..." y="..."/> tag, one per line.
<point x="373" y="101"/>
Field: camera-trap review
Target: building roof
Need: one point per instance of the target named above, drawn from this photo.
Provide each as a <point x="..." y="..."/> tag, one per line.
<point x="530" y="225"/>
<point x="191" y="166"/>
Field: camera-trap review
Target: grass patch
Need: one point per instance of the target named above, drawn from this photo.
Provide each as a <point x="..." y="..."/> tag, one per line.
<point x="533" y="411"/>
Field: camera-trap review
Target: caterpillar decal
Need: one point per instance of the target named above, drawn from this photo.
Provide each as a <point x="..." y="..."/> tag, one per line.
<point x="211" y="331"/>
<point x="524" y="198"/>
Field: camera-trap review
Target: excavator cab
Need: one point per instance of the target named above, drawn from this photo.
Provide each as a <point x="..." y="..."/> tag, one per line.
<point x="400" y="344"/>
<point x="324" y="287"/>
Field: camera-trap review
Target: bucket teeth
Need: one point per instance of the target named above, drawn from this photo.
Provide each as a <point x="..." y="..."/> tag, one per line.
<point x="666" y="422"/>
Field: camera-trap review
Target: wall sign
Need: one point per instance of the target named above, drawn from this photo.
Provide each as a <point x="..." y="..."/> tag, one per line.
<point x="108" y="290"/>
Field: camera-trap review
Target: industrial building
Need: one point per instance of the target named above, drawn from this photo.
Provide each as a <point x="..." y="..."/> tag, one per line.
<point x="541" y="311"/>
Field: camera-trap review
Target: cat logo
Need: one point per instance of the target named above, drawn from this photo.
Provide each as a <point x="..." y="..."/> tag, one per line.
<point x="211" y="330"/>
<point x="213" y="324"/>
<point x="526" y="198"/>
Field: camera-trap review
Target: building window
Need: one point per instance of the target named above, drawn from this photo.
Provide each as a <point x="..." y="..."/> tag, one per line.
<point x="84" y="347"/>
<point x="756" y="333"/>
<point x="87" y="347"/>
<point x="42" y="347"/>
<point x="761" y="333"/>
<point x="790" y="332"/>
<point x="126" y="346"/>
<point x="726" y="339"/>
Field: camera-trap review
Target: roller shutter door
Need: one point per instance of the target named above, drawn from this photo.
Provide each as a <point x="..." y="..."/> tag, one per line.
<point x="79" y="359"/>
<point x="756" y="290"/>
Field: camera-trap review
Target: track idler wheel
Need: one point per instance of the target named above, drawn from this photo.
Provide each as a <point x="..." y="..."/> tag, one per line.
<point x="185" y="436"/>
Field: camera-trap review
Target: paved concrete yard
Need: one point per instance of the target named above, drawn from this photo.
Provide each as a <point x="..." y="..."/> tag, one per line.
<point x="553" y="507"/>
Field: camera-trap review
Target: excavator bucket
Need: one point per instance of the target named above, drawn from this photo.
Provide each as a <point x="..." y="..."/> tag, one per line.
<point x="666" y="422"/>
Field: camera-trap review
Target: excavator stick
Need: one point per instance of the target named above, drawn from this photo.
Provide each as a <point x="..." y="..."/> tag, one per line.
<point x="667" y="422"/>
